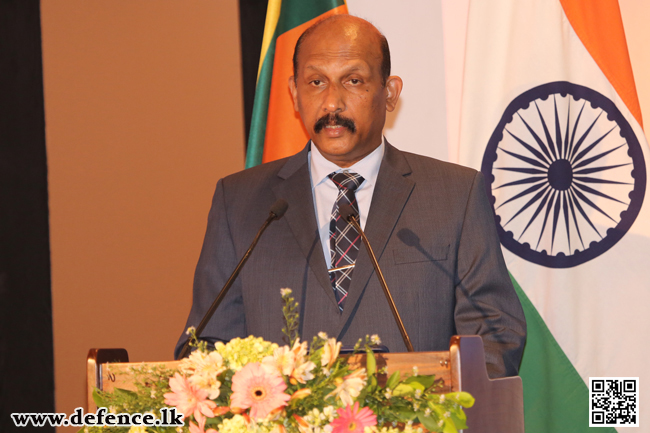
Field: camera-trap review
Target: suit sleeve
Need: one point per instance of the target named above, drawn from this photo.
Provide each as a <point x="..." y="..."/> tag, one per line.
<point x="217" y="261"/>
<point x="486" y="302"/>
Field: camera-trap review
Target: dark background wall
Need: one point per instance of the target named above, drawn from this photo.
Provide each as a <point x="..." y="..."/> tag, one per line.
<point x="26" y="357"/>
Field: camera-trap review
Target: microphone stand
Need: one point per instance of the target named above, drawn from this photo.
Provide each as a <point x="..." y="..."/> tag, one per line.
<point x="277" y="210"/>
<point x="353" y="220"/>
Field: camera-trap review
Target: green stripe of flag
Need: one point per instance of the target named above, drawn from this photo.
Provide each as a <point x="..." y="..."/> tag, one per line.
<point x="556" y="399"/>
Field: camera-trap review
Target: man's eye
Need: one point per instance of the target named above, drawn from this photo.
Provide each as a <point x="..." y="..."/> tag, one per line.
<point x="355" y="81"/>
<point x="316" y="82"/>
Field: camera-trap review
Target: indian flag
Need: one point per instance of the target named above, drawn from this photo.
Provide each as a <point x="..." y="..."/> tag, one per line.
<point x="276" y="129"/>
<point x="550" y="116"/>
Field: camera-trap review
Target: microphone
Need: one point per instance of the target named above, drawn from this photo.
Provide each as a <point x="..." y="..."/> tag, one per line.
<point x="348" y="214"/>
<point x="276" y="212"/>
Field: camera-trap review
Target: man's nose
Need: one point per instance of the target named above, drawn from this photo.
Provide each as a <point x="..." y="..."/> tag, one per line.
<point x="334" y="101"/>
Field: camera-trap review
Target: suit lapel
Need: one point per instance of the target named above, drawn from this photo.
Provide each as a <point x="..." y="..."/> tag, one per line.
<point x="391" y="193"/>
<point x="296" y="190"/>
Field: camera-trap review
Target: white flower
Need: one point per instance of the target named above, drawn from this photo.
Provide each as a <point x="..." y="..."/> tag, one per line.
<point x="388" y="394"/>
<point x="322" y="335"/>
<point x="442" y="398"/>
<point x="441" y="423"/>
<point x="427" y="412"/>
<point x="374" y="339"/>
<point x="190" y="330"/>
<point x="203" y="369"/>
<point x="415" y="370"/>
<point x="418" y="393"/>
<point x="447" y="414"/>
<point x="416" y="406"/>
<point x="350" y="387"/>
<point x="283" y="360"/>
<point x="303" y="372"/>
<point x="285" y="292"/>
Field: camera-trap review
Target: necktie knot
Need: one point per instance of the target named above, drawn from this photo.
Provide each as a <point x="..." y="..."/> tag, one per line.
<point x="346" y="180"/>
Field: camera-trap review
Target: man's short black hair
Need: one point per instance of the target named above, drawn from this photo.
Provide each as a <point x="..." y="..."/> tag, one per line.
<point x="385" y="51"/>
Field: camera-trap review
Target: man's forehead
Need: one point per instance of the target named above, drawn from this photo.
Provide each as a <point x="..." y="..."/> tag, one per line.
<point x="342" y="41"/>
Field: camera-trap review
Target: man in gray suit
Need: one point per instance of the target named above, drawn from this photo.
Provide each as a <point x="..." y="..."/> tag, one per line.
<point x="429" y="223"/>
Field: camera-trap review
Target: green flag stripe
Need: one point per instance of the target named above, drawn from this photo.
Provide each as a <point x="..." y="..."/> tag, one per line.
<point x="260" y="110"/>
<point x="556" y="399"/>
<point x="292" y="14"/>
<point x="297" y="12"/>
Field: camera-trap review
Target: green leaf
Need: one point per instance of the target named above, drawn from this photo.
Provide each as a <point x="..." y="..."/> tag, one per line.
<point x="460" y="419"/>
<point x="125" y="392"/>
<point x="371" y="363"/>
<point x="406" y="414"/>
<point x="402" y="390"/>
<point x="428" y="422"/>
<point x="425" y="381"/>
<point x="98" y="398"/>
<point x="464" y="399"/>
<point x="393" y="380"/>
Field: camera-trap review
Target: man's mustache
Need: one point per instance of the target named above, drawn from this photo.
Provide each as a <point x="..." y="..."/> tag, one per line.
<point x="332" y="120"/>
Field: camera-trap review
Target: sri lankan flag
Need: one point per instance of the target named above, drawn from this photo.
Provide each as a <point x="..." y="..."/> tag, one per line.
<point x="276" y="129"/>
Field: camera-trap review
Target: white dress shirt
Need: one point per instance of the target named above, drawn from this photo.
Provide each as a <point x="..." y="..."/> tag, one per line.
<point x="325" y="192"/>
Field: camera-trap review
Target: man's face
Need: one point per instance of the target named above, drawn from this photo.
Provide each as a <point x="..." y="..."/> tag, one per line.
<point x="339" y="91"/>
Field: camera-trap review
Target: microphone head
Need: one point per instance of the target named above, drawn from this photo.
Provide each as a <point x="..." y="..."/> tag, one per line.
<point x="346" y="212"/>
<point x="279" y="208"/>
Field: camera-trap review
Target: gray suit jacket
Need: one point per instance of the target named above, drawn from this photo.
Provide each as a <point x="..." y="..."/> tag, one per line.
<point x="432" y="230"/>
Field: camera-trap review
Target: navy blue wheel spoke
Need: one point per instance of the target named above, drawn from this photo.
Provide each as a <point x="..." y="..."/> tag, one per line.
<point x="569" y="149"/>
<point x="568" y="128"/>
<point x="528" y="147"/>
<point x="530" y="161"/>
<point x="596" y="180"/>
<point x="591" y="146"/>
<point x="548" y="211"/>
<point x="549" y="140"/>
<point x="527" y="205"/>
<point x="574" y="192"/>
<point x="585" y="199"/>
<point x="524" y="181"/>
<point x="539" y="141"/>
<point x="538" y="210"/>
<point x="596" y="158"/>
<point x="575" y="220"/>
<point x="558" y="132"/>
<point x="599" y="169"/>
<point x="566" y="218"/>
<point x="530" y="190"/>
<point x="556" y="215"/>
<point x="583" y="137"/>
<point x="522" y="170"/>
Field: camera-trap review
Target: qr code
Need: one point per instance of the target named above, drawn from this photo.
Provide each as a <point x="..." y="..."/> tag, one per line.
<point x="613" y="401"/>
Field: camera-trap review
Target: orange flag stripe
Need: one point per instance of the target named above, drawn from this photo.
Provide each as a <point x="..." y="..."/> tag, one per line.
<point x="600" y="28"/>
<point x="285" y="133"/>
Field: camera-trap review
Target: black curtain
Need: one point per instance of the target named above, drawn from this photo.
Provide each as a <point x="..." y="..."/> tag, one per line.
<point x="26" y="349"/>
<point x="252" y="15"/>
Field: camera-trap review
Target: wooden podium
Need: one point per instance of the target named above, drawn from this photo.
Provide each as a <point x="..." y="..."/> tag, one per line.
<point x="499" y="406"/>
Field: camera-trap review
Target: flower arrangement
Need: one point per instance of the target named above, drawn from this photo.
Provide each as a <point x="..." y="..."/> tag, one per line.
<point x="251" y="385"/>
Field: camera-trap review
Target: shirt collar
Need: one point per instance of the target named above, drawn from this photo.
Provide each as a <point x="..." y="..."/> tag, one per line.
<point x="368" y="167"/>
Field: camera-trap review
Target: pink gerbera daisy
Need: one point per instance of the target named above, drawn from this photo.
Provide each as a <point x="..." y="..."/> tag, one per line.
<point x="351" y="419"/>
<point x="258" y="388"/>
<point x="188" y="398"/>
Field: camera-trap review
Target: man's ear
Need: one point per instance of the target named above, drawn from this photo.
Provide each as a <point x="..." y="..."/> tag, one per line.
<point x="294" y="92"/>
<point x="393" y="89"/>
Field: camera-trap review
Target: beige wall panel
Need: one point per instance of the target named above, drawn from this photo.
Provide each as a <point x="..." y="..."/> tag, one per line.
<point x="143" y="106"/>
